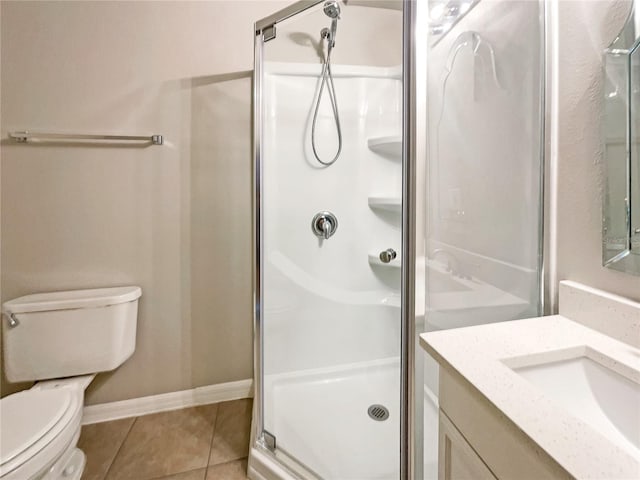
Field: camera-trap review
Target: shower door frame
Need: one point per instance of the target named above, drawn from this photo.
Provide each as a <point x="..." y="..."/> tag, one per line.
<point x="407" y="316"/>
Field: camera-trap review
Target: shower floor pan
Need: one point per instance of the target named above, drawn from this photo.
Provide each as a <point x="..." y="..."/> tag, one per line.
<point x="321" y="418"/>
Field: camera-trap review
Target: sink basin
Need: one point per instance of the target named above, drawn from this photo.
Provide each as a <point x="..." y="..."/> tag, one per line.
<point x="597" y="395"/>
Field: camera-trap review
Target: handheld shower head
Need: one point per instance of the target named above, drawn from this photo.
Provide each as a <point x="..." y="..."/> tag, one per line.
<point x="332" y="9"/>
<point x="334" y="30"/>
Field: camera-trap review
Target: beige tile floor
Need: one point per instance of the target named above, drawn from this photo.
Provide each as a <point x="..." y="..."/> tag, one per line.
<point x="210" y="442"/>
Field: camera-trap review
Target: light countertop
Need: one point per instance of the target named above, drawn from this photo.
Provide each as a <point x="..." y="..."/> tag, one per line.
<point x="485" y="355"/>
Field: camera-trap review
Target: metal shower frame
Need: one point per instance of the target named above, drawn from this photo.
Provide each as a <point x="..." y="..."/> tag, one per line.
<point x="264" y="30"/>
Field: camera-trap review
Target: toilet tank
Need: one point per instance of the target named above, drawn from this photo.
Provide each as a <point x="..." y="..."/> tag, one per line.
<point x="63" y="334"/>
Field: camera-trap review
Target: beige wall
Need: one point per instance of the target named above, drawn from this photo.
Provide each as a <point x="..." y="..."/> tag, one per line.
<point x="585" y="29"/>
<point x="175" y="219"/>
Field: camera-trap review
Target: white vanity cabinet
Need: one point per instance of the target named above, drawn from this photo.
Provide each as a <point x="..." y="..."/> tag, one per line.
<point x="542" y="398"/>
<point x="477" y="441"/>
<point x="456" y="458"/>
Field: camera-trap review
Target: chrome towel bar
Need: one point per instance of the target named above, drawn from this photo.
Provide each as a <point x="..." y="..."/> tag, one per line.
<point x="24" y="137"/>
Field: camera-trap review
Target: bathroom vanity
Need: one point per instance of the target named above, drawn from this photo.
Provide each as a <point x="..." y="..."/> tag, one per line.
<point x="551" y="397"/>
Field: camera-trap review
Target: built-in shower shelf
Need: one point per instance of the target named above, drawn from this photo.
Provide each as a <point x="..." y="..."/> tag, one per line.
<point x="390" y="204"/>
<point x="389" y="146"/>
<point x="374" y="259"/>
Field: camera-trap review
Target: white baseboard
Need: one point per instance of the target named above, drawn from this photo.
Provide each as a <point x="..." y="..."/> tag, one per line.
<point x="135" y="407"/>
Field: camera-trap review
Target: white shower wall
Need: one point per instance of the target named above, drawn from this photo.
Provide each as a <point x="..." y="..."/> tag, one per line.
<point x="324" y="304"/>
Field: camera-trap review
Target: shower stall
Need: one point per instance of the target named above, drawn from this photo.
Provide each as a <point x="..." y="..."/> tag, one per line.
<point x="398" y="183"/>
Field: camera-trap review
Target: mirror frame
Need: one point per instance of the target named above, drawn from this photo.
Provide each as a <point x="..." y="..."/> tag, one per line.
<point x="621" y="201"/>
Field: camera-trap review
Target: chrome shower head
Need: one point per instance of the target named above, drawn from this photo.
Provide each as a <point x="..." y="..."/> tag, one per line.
<point x="332" y="9"/>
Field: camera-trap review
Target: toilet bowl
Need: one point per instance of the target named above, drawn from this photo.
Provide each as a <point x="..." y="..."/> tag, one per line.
<point x="40" y="428"/>
<point x="51" y="335"/>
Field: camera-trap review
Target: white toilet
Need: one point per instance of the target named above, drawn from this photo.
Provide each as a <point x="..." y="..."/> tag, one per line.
<point x="64" y="338"/>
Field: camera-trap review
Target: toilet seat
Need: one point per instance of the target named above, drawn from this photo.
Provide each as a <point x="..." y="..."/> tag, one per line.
<point x="35" y="428"/>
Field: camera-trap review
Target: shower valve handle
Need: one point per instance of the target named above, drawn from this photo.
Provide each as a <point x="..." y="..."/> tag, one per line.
<point x="324" y="225"/>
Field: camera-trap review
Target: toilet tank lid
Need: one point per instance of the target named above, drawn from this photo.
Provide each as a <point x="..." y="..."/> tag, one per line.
<point x="72" y="299"/>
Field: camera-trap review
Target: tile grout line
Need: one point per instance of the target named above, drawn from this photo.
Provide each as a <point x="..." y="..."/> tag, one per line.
<point x="124" y="439"/>
<point x="213" y="435"/>
<point x="235" y="460"/>
<point x="180" y="473"/>
<point x="205" y="469"/>
<point x="244" y="455"/>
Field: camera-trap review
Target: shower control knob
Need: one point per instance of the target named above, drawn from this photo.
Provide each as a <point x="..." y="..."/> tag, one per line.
<point x="324" y="224"/>
<point x="387" y="255"/>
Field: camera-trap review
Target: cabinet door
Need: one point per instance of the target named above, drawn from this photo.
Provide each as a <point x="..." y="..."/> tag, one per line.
<point x="456" y="459"/>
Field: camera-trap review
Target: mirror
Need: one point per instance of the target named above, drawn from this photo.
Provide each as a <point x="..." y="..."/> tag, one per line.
<point x="621" y="203"/>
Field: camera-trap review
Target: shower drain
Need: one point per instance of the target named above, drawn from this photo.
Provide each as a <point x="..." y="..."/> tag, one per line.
<point x="378" y="412"/>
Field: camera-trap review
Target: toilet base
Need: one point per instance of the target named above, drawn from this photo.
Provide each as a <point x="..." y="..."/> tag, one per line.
<point x="69" y="467"/>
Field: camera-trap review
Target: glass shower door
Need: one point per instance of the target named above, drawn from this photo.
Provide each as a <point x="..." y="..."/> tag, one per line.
<point x="329" y="198"/>
<point x="485" y="81"/>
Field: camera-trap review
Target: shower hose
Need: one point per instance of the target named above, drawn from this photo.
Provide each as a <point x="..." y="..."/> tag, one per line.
<point x="327" y="79"/>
